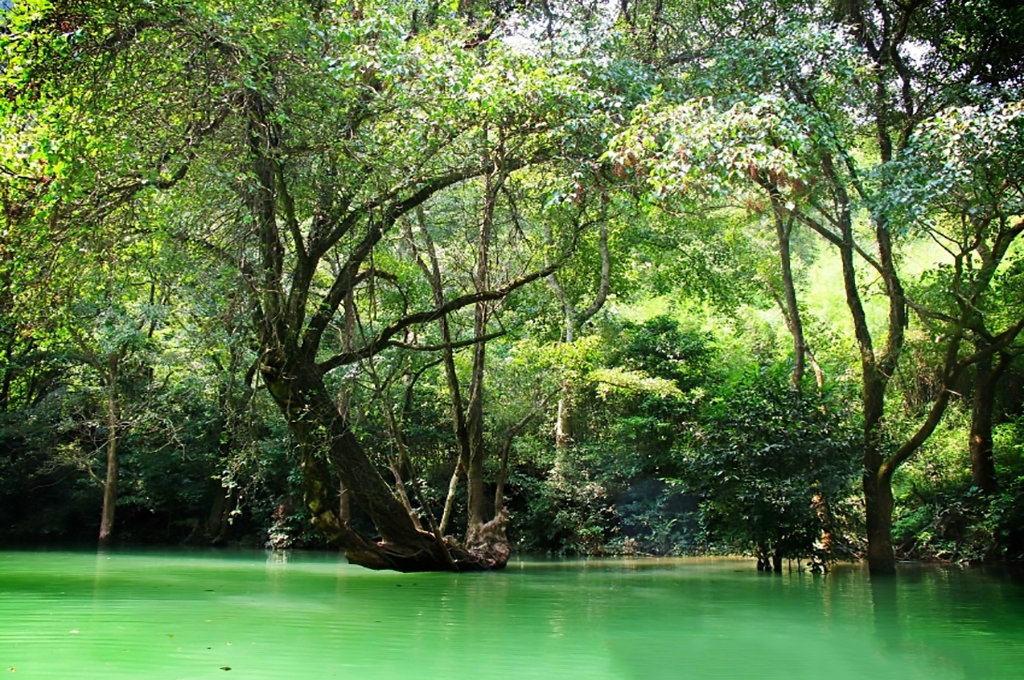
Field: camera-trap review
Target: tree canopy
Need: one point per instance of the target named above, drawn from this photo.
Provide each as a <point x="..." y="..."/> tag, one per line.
<point x="513" y="258"/>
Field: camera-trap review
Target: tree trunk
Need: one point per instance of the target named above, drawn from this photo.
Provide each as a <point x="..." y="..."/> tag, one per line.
<point x="878" y="499"/>
<point x="878" y="504"/>
<point x="328" y="446"/>
<point x="221" y="505"/>
<point x="574" y="320"/>
<point x="563" y="416"/>
<point x="783" y="232"/>
<point x="484" y="537"/>
<point x="875" y="372"/>
<point x="983" y="466"/>
<point x="449" y="499"/>
<point x="563" y="425"/>
<point x="478" y="501"/>
<point x="113" y="409"/>
<point x="109" y="491"/>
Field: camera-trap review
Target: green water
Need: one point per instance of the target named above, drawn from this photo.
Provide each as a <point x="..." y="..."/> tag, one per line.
<point x="250" y="615"/>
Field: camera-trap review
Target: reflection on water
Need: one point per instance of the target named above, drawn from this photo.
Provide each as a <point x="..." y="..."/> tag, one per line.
<point x="199" y="615"/>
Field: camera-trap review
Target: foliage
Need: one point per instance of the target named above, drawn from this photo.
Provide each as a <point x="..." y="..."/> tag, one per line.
<point x="611" y="493"/>
<point x="565" y="514"/>
<point x="941" y="515"/>
<point x="197" y="195"/>
<point x="775" y="470"/>
<point x="965" y="160"/>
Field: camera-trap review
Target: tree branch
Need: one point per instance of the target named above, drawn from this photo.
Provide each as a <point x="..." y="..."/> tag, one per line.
<point x="384" y="338"/>
<point x="345" y="281"/>
<point x="457" y="344"/>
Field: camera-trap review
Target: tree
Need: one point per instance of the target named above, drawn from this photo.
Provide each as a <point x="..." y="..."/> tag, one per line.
<point x="782" y="129"/>
<point x="309" y="133"/>
<point x="109" y="338"/>
<point x="960" y="184"/>
<point x="485" y="527"/>
<point x="773" y="469"/>
<point x="113" y="305"/>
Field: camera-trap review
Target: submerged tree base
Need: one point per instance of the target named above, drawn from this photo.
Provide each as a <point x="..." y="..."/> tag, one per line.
<point x="432" y="555"/>
<point x="487" y="548"/>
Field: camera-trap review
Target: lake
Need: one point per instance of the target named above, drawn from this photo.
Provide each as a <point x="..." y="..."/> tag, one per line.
<point x="252" y="615"/>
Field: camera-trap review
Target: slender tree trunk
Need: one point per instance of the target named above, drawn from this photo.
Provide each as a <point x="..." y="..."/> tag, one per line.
<point x="478" y="501"/>
<point x="432" y="270"/>
<point x="449" y="500"/>
<point x="223" y="500"/>
<point x="875" y="372"/>
<point x="113" y="454"/>
<point x="503" y="454"/>
<point x="783" y="232"/>
<point x="344" y="504"/>
<point x="348" y="336"/>
<point x="877" y="490"/>
<point x="563" y="413"/>
<point x="109" y="493"/>
<point x="485" y="537"/>
<point x="403" y="493"/>
<point x="563" y="424"/>
<point x="574" y="320"/>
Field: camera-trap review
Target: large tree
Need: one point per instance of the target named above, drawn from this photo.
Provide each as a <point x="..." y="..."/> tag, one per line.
<point x="807" y="123"/>
<point x="301" y="135"/>
<point x="961" y="185"/>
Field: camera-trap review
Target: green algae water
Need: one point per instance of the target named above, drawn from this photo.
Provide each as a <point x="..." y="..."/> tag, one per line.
<point x="252" y="615"/>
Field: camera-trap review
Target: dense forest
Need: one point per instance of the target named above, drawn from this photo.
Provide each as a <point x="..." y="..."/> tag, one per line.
<point x="432" y="282"/>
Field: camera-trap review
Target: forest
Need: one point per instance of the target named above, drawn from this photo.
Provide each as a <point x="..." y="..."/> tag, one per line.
<point x="435" y="282"/>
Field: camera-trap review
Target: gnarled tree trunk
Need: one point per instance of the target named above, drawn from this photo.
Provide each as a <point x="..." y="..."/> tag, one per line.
<point x="328" y="449"/>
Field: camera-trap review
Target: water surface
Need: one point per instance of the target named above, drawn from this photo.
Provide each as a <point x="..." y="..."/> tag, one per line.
<point x="251" y="615"/>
